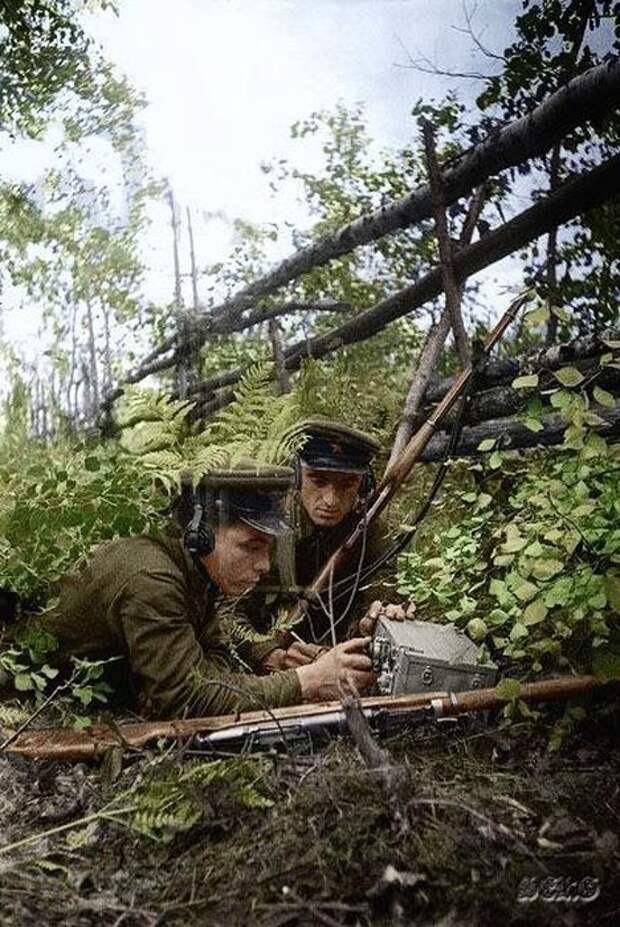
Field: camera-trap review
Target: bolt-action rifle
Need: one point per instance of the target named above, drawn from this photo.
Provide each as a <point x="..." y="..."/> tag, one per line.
<point x="283" y="729"/>
<point x="395" y="475"/>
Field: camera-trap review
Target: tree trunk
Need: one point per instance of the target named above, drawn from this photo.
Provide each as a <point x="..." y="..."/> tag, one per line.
<point x="192" y="258"/>
<point x="93" y="378"/>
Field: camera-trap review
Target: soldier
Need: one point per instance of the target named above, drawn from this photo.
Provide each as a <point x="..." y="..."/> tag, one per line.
<point x="154" y="603"/>
<point x="333" y="478"/>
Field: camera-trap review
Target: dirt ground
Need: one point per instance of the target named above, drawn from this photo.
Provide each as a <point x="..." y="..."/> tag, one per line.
<point x="480" y="825"/>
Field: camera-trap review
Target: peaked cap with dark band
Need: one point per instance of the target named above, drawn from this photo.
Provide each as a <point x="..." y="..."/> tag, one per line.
<point x="251" y="493"/>
<point x="333" y="446"/>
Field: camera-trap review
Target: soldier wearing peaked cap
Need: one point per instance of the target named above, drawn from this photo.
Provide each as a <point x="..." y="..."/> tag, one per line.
<point x="154" y="602"/>
<point x="333" y="477"/>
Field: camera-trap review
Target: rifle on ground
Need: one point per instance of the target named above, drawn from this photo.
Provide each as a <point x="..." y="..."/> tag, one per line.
<point x="285" y="729"/>
<point x="395" y="475"/>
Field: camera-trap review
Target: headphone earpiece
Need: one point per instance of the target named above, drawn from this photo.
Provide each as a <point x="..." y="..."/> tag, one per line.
<point x="198" y="536"/>
<point x="296" y="467"/>
<point x="368" y="483"/>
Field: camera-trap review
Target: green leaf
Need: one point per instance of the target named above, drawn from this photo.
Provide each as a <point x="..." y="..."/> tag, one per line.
<point x="92" y="464"/>
<point x="525" y="591"/>
<point x="545" y="569"/>
<point x="508" y="689"/>
<point x="528" y="381"/>
<point x="536" y="316"/>
<point x="535" y="612"/>
<point x="560" y="399"/>
<point x="497" y="617"/>
<point x="487" y="445"/>
<point x="534" y="549"/>
<point x="23" y="682"/>
<point x="514" y="544"/>
<point x="519" y="631"/>
<point x="533" y="424"/>
<point x="495" y="460"/>
<point x="586" y="509"/>
<point x="502" y="560"/>
<point x="476" y="628"/>
<point x="604" y="398"/>
<point x="568" y="376"/>
<point x="591" y="418"/>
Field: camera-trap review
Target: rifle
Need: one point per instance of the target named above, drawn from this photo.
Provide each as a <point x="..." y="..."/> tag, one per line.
<point x="396" y="474"/>
<point x="299" y="726"/>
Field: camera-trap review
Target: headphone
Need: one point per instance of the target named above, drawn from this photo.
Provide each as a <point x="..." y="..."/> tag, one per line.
<point x="366" y="486"/>
<point x="194" y="510"/>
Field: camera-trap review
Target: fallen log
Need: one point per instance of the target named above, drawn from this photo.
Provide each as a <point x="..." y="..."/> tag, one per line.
<point x="504" y="401"/>
<point x="506" y="369"/>
<point x="512" y="435"/>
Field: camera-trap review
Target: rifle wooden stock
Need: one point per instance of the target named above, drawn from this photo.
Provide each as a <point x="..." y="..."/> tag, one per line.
<point x="70" y="745"/>
<point x="397" y="473"/>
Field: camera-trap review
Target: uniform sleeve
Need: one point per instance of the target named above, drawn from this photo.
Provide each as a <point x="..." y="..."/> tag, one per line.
<point x="174" y="674"/>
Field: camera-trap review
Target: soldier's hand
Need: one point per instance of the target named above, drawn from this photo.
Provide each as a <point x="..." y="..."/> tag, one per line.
<point x="379" y="610"/>
<point x="299" y="654"/>
<point x="346" y="669"/>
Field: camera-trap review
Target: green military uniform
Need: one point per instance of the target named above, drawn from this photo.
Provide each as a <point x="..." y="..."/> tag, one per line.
<point x="329" y="445"/>
<point x="147" y="601"/>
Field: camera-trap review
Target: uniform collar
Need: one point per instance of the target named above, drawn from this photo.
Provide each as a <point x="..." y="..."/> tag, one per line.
<point x="199" y="581"/>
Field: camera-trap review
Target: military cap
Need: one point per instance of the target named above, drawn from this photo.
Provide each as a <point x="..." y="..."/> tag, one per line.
<point x="333" y="446"/>
<point x="250" y="492"/>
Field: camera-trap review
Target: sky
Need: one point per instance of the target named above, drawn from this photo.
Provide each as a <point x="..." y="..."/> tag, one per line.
<point x="225" y="79"/>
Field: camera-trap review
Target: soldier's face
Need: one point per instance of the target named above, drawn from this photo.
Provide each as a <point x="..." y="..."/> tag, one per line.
<point x="328" y="495"/>
<point x="239" y="559"/>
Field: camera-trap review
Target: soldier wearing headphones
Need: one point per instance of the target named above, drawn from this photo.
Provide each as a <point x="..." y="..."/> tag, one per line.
<point x="333" y="477"/>
<point x="154" y="603"/>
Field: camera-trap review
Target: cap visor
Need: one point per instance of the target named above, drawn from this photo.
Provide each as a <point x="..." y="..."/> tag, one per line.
<point x="339" y="466"/>
<point x="268" y="522"/>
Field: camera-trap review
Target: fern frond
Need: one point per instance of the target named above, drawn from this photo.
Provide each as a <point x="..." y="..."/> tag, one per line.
<point x="167" y="804"/>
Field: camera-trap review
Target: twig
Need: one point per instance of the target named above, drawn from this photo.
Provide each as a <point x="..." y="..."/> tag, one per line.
<point x="376" y="759"/>
<point x="36" y="713"/>
<point x="99" y="815"/>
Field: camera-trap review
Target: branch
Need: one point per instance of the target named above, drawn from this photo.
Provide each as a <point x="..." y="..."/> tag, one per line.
<point x="588" y="97"/>
<point x="584" y="192"/>
<point x="450" y="286"/>
<point x="435" y="339"/>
